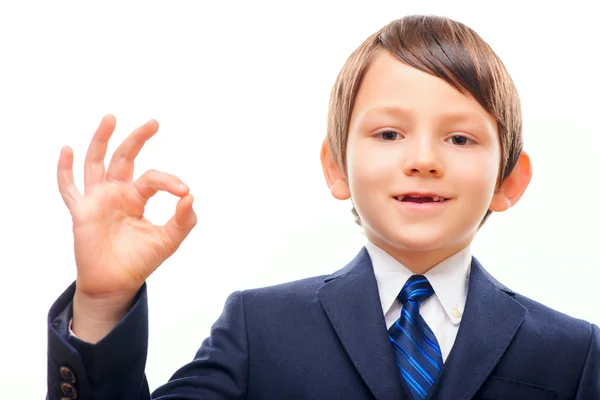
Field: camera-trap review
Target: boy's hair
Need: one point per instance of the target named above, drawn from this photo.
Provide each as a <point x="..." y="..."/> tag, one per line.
<point x="444" y="48"/>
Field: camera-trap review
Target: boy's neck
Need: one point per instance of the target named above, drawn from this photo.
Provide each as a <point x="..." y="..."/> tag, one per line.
<point x="419" y="262"/>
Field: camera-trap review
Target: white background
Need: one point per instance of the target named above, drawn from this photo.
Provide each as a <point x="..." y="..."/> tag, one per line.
<point x="240" y="90"/>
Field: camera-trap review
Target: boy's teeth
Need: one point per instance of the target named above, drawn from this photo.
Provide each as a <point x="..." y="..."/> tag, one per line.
<point x="434" y="198"/>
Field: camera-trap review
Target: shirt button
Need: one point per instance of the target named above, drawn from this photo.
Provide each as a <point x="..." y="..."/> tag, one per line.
<point x="456" y="312"/>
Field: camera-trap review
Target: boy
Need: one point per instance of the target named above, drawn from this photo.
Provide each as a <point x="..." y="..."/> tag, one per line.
<point x="424" y="135"/>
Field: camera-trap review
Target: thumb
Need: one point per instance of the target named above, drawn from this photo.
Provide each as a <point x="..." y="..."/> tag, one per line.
<point x="180" y="224"/>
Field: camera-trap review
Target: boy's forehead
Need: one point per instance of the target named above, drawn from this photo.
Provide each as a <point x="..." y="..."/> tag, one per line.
<point x="391" y="86"/>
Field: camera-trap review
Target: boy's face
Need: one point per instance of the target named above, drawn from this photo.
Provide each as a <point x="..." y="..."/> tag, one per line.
<point x="413" y="136"/>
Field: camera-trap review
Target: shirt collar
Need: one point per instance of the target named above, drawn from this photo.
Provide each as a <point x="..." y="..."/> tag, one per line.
<point x="449" y="279"/>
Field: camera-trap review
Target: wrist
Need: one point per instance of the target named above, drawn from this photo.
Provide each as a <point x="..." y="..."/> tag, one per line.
<point x="94" y="317"/>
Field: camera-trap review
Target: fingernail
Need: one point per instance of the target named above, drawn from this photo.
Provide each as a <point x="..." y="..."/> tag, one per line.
<point x="183" y="186"/>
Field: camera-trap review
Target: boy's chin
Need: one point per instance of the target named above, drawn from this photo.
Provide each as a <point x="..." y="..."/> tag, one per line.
<point x="419" y="238"/>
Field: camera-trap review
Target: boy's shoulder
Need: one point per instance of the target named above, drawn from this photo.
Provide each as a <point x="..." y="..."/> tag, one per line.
<point x="293" y="291"/>
<point x="552" y="324"/>
<point x="548" y="321"/>
<point x="305" y="289"/>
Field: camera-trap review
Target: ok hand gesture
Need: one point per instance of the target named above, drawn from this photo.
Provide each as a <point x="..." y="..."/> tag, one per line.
<point x="116" y="248"/>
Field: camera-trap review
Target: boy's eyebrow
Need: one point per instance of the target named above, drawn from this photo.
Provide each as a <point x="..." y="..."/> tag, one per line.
<point x="398" y="111"/>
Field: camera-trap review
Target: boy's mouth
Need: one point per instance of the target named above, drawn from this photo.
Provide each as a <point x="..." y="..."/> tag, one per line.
<point x="421" y="198"/>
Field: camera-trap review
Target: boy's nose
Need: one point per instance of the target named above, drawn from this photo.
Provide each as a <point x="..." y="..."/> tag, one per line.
<point x="422" y="160"/>
<point x="435" y="172"/>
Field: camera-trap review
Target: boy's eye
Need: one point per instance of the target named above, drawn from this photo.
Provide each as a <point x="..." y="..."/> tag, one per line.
<point x="459" y="140"/>
<point x="389" y="135"/>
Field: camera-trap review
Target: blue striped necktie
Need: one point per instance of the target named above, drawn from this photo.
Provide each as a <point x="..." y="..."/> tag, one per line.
<point x="417" y="351"/>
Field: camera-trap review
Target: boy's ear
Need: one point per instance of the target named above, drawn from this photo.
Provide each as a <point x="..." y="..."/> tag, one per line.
<point x="335" y="178"/>
<point x="514" y="185"/>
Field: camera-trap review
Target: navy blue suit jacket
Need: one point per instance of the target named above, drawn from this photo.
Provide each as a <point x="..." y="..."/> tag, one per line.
<point x="326" y="338"/>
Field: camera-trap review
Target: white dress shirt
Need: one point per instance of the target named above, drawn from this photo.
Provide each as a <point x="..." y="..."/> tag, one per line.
<point x="443" y="310"/>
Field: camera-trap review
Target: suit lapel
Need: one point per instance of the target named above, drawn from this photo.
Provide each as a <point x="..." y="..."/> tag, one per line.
<point x="351" y="301"/>
<point x="490" y="321"/>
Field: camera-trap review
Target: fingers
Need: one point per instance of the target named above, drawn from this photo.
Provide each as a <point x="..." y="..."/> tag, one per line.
<point x="94" y="159"/>
<point x="152" y="181"/>
<point x="181" y="224"/>
<point x="122" y="162"/>
<point x="66" y="182"/>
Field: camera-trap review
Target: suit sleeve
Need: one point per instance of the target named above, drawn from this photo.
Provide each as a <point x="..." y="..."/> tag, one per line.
<point x="114" y="367"/>
<point x="589" y="382"/>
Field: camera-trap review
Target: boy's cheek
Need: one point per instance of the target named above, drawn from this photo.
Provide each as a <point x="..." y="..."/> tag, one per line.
<point x="372" y="183"/>
<point x="374" y="163"/>
<point x="480" y="171"/>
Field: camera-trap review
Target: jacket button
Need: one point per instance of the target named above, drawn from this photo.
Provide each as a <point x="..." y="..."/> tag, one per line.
<point x="67" y="374"/>
<point x="68" y="390"/>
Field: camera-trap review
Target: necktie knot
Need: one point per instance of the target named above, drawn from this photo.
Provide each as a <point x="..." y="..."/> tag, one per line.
<point x="417" y="288"/>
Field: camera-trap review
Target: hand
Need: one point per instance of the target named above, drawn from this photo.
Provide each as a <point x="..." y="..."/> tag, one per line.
<point x="116" y="248"/>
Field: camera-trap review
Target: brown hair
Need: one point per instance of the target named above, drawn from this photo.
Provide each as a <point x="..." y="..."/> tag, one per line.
<point x="444" y="48"/>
